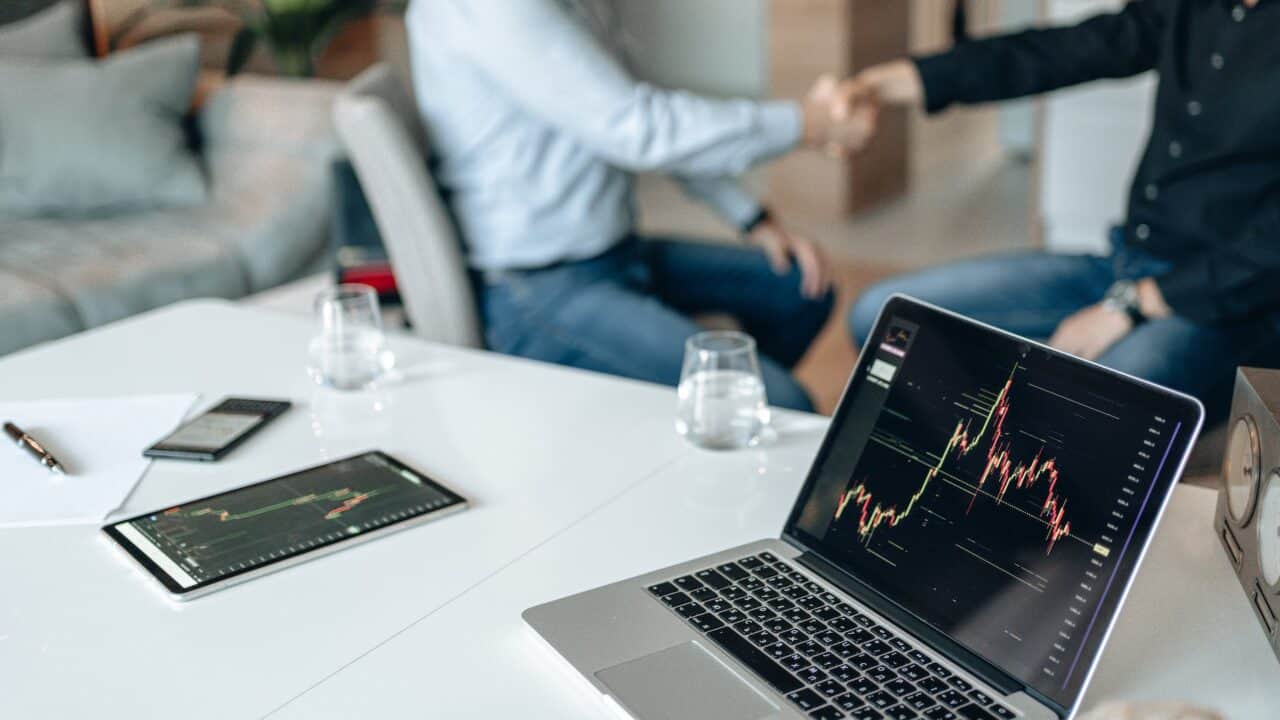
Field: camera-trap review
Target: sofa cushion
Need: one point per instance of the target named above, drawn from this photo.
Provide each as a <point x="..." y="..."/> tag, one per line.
<point x="273" y="210"/>
<point x="32" y="313"/>
<point x="110" y="269"/>
<point x="272" y="133"/>
<point x="83" y="137"/>
<point x="51" y="34"/>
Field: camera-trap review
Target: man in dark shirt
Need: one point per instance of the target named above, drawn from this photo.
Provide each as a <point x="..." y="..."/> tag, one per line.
<point x="1191" y="288"/>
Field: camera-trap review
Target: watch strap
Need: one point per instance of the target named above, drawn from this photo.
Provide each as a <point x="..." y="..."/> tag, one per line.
<point x="756" y="221"/>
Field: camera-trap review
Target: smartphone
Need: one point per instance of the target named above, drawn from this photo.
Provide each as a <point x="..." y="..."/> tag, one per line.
<point x="218" y="430"/>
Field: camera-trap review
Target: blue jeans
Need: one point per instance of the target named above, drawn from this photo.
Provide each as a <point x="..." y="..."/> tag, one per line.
<point x="627" y="312"/>
<point x="1029" y="293"/>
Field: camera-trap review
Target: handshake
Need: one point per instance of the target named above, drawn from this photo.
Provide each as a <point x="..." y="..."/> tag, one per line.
<point x="841" y="116"/>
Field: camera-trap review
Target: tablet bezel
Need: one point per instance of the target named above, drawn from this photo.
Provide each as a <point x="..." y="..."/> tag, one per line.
<point x="455" y="504"/>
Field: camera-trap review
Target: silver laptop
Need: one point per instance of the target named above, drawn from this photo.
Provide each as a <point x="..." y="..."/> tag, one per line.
<point x="960" y="548"/>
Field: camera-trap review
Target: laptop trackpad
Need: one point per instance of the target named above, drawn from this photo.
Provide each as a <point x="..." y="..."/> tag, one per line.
<point x="684" y="681"/>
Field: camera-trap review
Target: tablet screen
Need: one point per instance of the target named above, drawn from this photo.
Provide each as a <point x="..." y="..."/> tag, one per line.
<point x="205" y="542"/>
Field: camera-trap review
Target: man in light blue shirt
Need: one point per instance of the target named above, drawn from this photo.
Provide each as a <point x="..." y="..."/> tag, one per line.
<point x="537" y="128"/>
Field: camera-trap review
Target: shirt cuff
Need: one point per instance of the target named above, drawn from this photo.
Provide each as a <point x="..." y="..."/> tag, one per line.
<point x="938" y="78"/>
<point x="781" y="125"/>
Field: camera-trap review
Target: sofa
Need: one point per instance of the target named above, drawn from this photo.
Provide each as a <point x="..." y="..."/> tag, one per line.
<point x="266" y="146"/>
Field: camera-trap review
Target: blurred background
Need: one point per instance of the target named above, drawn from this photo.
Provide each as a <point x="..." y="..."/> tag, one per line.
<point x="1047" y="173"/>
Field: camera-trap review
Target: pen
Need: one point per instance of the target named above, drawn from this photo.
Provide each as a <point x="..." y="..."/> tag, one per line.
<point x="28" y="443"/>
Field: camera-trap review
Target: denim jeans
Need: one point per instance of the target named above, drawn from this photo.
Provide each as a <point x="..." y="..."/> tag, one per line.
<point x="627" y="312"/>
<point x="1030" y="293"/>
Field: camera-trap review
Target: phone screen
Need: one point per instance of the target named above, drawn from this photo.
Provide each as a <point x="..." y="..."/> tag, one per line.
<point x="211" y="431"/>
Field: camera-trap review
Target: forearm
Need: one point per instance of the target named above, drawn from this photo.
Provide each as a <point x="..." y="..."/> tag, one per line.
<point x="724" y="196"/>
<point x="535" y="52"/>
<point x="1036" y="61"/>
<point x="1230" y="282"/>
<point x="1215" y="292"/>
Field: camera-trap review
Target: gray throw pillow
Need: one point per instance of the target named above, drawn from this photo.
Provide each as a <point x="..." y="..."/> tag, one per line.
<point x="93" y="138"/>
<point x="51" y="34"/>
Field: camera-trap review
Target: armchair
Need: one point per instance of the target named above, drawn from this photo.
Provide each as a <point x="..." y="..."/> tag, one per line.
<point x="377" y="121"/>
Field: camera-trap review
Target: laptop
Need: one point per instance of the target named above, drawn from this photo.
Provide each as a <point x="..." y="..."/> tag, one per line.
<point x="960" y="548"/>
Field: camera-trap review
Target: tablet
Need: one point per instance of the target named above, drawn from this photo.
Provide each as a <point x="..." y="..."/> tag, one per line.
<point x="211" y="543"/>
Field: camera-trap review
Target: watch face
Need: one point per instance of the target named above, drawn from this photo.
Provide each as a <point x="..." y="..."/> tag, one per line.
<point x="1269" y="530"/>
<point x="1241" y="470"/>
<point x="1123" y="297"/>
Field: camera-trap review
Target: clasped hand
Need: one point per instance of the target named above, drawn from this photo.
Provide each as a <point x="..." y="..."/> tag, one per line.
<point x="841" y="116"/>
<point x="835" y="121"/>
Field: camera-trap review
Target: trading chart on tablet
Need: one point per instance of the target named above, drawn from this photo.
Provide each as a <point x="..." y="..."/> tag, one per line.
<point x="238" y="531"/>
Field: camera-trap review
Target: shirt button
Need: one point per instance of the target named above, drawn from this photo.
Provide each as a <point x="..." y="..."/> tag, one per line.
<point x="1194" y="108"/>
<point x="1217" y="61"/>
<point x="1143" y="231"/>
<point x="1151" y="192"/>
<point x="1175" y="149"/>
<point x="1237" y="13"/>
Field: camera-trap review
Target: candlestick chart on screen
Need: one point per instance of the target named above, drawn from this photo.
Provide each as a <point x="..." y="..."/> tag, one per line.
<point x="976" y="465"/>
<point x="1002" y="471"/>
<point x="992" y="487"/>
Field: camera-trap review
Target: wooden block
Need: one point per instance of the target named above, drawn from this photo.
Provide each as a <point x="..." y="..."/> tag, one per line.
<point x="812" y="37"/>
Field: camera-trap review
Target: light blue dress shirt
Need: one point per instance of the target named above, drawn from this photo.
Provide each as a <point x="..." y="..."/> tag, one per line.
<point x="537" y="127"/>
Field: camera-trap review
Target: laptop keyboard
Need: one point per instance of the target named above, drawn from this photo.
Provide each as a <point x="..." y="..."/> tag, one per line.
<point x="830" y="660"/>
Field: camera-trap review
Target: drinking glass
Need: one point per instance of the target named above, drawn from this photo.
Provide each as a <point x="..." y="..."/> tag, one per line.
<point x="722" y="403"/>
<point x="350" y="352"/>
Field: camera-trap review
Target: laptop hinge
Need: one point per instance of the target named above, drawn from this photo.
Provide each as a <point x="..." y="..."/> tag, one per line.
<point x="988" y="673"/>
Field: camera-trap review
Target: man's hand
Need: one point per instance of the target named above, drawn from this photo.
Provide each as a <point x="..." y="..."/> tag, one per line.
<point x="1151" y="300"/>
<point x="858" y="99"/>
<point x="896" y="82"/>
<point x="781" y="246"/>
<point x="840" y="130"/>
<point x="1091" y="331"/>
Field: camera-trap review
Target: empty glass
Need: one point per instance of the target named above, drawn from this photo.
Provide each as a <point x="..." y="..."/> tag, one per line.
<point x="350" y="351"/>
<point x="722" y="403"/>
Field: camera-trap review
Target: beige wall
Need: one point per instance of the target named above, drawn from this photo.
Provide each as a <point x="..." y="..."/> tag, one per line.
<point x="710" y="46"/>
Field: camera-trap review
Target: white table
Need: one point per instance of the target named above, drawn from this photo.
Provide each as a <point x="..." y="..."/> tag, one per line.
<point x="534" y="447"/>
<point x="577" y="481"/>
<point x="1186" y="632"/>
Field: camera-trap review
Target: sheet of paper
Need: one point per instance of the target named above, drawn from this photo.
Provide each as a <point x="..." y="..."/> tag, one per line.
<point x="99" y="441"/>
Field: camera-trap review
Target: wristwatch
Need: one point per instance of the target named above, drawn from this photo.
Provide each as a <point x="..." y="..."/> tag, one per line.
<point x="761" y="217"/>
<point x="1122" y="297"/>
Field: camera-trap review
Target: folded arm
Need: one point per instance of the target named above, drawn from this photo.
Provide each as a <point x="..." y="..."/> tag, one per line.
<point x="1232" y="281"/>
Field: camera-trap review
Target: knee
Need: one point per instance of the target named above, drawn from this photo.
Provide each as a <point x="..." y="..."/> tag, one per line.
<point x="789" y="394"/>
<point x="811" y="311"/>
<point x="816" y="311"/>
<point x="1156" y="363"/>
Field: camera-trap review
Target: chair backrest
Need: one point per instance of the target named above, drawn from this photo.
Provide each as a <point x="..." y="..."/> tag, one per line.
<point x="378" y="123"/>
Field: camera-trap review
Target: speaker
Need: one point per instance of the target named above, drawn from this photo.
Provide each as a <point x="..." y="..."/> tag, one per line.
<point x="1248" y="513"/>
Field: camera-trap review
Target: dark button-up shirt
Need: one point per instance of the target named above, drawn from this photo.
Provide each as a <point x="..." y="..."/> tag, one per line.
<point x="1206" y="195"/>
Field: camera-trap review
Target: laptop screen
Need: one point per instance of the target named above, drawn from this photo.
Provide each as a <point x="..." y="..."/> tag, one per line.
<point x="999" y="491"/>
